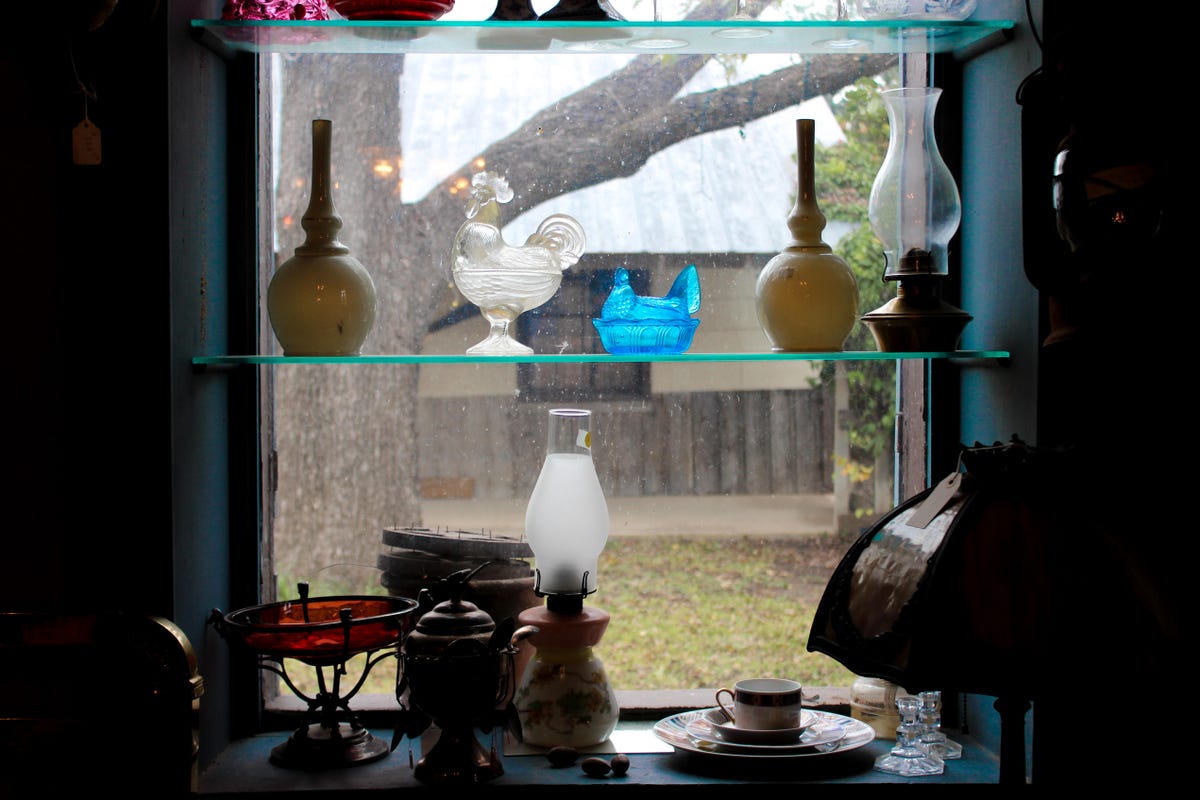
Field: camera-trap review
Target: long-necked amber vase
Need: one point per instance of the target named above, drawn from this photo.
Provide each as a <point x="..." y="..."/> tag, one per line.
<point x="807" y="297"/>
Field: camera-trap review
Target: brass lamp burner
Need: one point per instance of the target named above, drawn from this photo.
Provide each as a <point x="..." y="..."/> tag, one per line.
<point x="916" y="319"/>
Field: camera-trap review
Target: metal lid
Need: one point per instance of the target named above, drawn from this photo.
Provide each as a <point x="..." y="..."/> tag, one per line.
<point x="449" y="620"/>
<point x="456" y="616"/>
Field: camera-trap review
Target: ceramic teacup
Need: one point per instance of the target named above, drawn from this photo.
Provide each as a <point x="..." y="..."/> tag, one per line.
<point x="763" y="703"/>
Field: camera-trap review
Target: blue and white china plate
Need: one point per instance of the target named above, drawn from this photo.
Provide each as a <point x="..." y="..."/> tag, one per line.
<point x="829" y="733"/>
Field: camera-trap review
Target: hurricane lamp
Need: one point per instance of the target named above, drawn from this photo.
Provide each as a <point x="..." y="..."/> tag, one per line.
<point x="915" y="210"/>
<point x="564" y="697"/>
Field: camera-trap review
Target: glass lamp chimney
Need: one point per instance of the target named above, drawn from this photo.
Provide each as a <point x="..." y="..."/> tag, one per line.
<point x="915" y="210"/>
<point x="914" y="205"/>
<point x="566" y="521"/>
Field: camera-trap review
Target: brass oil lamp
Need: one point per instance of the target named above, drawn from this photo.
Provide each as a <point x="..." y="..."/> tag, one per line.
<point x="915" y="209"/>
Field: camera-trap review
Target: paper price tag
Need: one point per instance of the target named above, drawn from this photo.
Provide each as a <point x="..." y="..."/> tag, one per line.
<point x="932" y="505"/>
<point x="85" y="143"/>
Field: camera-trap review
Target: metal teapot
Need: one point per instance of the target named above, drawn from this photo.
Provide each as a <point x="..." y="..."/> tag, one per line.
<point x="457" y="672"/>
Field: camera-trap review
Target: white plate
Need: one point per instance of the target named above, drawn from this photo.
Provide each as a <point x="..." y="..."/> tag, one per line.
<point x="850" y="734"/>
<point x="719" y="727"/>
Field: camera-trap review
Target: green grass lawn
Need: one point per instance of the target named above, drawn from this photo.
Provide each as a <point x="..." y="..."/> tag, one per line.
<point x="692" y="613"/>
<point x="699" y="613"/>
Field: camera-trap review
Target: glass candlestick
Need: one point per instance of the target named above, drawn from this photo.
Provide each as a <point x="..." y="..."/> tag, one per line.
<point x="741" y="15"/>
<point x="931" y="738"/>
<point x="907" y="758"/>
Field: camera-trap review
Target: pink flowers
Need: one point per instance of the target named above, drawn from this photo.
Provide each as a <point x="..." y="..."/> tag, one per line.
<point x="275" y="9"/>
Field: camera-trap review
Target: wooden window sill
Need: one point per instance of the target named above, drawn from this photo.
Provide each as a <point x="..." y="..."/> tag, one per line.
<point x="244" y="769"/>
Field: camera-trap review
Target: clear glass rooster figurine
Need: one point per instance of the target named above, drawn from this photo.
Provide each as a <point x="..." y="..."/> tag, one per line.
<point x="506" y="280"/>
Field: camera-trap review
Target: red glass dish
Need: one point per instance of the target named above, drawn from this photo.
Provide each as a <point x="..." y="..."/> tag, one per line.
<point x="398" y="10"/>
<point x="314" y="630"/>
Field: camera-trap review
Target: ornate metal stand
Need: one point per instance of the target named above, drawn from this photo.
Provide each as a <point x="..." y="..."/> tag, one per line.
<point x="324" y="632"/>
<point x="332" y="735"/>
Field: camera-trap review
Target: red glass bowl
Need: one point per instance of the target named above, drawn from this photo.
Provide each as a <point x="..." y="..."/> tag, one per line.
<point x="398" y="10"/>
<point x="314" y="630"/>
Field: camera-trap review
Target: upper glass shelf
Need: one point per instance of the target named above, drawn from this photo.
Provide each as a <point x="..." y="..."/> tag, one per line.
<point x="690" y="36"/>
<point x="600" y="358"/>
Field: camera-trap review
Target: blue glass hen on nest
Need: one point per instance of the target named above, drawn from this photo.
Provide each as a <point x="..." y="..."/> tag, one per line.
<point x="632" y="324"/>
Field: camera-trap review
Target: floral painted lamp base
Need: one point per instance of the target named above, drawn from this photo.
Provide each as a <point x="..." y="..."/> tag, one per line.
<point x="564" y="697"/>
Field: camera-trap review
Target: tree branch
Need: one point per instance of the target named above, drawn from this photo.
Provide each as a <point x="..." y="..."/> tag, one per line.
<point x="610" y="128"/>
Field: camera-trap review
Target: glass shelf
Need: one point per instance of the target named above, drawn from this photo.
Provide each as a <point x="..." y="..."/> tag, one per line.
<point x="690" y="36"/>
<point x="981" y="356"/>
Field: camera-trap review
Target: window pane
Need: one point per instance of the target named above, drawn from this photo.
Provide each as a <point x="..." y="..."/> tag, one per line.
<point x="733" y="488"/>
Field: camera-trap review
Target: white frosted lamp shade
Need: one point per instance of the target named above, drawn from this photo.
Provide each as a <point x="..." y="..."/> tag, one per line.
<point x="566" y="521"/>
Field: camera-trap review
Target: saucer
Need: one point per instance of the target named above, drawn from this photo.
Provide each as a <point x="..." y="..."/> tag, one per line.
<point x="725" y="731"/>
<point x="829" y="733"/>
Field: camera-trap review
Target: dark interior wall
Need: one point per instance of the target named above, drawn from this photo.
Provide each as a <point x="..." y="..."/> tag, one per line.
<point x="88" y="457"/>
<point x="1104" y="245"/>
<point x="118" y="479"/>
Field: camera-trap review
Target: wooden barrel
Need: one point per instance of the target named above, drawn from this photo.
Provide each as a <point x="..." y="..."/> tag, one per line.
<point x="419" y="558"/>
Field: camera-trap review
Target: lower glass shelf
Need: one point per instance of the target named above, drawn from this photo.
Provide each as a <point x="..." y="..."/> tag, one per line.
<point x="997" y="357"/>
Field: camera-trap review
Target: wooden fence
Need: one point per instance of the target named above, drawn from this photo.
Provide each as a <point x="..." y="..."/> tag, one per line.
<point x="753" y="442"/>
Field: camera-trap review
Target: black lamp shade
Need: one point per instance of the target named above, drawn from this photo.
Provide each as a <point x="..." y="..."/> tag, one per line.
<point x="949" y="590"/>
<point x="1032" y="577"/>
